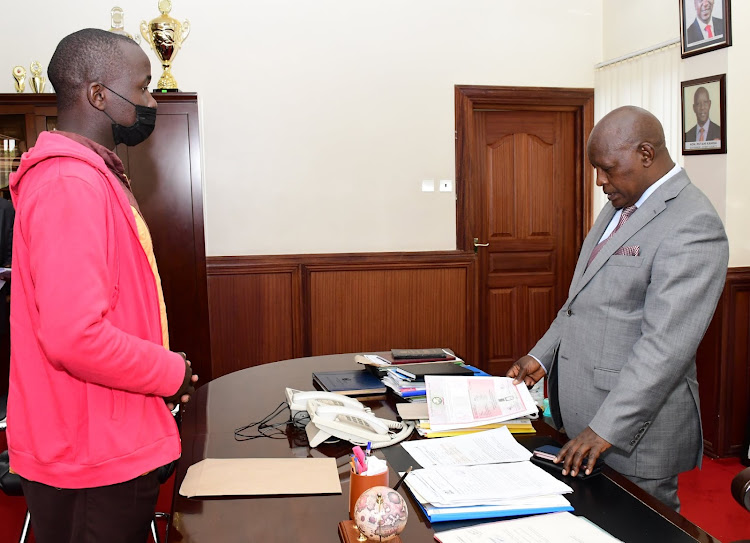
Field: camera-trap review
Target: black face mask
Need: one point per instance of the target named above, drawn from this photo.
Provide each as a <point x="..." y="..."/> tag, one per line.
<point x="145" y="121"/>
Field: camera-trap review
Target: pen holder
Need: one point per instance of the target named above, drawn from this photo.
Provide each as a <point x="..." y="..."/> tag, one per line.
<point x="358" y="483"/>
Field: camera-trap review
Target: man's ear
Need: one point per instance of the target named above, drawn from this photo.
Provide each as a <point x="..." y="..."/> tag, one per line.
<point x="95" y="95"/>
<point x="647" y="153"/>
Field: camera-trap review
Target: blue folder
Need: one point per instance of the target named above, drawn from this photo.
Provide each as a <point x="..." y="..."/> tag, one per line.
<point x="438" y="514"/>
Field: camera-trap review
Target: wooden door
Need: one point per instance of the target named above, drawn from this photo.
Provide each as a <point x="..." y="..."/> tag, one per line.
<point x="528" y="197"/>
<point x="525" y="196"/>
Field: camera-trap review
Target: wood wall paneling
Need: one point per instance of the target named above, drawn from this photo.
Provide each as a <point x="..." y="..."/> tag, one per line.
<point x="379" y="309"/>
<point x="270" y="308"/>
<point x="723" y="363"/>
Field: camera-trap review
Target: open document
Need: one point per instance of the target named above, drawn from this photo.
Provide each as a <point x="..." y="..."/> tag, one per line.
<point x="551" y="528"/>
<point x="489" y="447"/>
<point x="465" y="402"/>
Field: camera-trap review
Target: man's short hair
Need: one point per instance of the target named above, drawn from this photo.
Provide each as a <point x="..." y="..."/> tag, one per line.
<point x="88" y="55"/>
<point x="704" y="90"/>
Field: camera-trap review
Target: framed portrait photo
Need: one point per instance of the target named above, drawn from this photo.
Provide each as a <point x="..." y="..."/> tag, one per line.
<point x="704" y="116"/>
<point x="705" y="25"/>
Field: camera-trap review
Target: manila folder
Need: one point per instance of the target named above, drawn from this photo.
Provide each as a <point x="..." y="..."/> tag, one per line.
<point x="261" y="476"/>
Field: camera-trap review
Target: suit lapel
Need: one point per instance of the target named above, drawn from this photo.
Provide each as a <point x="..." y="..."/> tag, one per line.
<point x="654" y="204"/>
<point x="591" y="241"/>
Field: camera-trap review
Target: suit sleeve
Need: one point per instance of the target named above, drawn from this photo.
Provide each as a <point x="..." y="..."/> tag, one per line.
<point x="687" y="278"/>
<point x="66" y="228"/>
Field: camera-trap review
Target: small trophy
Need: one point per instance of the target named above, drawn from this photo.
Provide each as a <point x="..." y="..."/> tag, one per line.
<point x="19" y="74"/>
<point x="37" y="81"/>
<point x="118" y="24"/>
<point x="166" y="35"/>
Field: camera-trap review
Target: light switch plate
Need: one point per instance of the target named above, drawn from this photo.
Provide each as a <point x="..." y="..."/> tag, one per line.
<point x="428" y="185"/>
<point x="446" y="185"/>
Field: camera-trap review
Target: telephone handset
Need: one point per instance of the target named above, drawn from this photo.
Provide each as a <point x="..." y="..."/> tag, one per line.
<point x="345" y="418"/>
<point x="298" y="399"/>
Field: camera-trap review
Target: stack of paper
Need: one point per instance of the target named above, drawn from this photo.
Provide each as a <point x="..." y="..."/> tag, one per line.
<point x="516" y="426"/>
<point x="405" y="386"/>
<point x="468" y="402"/>
<point x="556" y="528"/>
<point x="419" y="412"/>
<point x="462" y="479"/>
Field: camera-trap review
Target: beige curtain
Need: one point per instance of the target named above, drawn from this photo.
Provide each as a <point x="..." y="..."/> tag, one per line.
<point x="650" y="81"/>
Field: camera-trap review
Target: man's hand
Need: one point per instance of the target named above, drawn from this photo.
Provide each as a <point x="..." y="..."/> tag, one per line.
<point x="587" y="444"/>
<point x="188" y="386"/>
<point x="526" y="369"/>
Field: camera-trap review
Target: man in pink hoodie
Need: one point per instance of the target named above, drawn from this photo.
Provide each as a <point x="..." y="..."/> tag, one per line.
<point x="92" y="378"/>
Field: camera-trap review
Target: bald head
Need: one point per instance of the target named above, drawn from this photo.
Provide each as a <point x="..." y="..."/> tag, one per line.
<point x="627" y="148"/>
<point x="629" y="126"/>
<point x="88" y="55"/>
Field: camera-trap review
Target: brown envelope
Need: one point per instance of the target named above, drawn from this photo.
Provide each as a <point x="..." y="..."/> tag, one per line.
<point x="261" y="476"/>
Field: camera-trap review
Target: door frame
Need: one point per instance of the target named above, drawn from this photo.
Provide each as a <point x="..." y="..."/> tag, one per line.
<point x="472" y="98"/>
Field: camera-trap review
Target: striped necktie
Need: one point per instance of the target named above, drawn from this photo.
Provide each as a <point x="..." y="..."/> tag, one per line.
<point x="626" y="213"/>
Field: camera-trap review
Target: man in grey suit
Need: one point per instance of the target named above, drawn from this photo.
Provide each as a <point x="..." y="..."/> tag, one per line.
<point x="620" y="355"/>
<point x="705" y="129"/>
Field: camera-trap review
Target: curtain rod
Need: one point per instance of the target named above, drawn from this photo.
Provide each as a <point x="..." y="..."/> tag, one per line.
<point x="638" y="53"/>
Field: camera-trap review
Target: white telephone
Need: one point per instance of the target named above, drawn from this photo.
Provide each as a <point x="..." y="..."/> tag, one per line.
<point x="345" y="418"/>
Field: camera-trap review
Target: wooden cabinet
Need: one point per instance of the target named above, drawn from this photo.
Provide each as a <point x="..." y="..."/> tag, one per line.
<point x="166" y="176"/>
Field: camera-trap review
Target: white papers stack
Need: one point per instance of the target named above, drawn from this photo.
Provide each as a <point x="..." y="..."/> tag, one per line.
<point x="466" y="402"/>
<point x="488" y="447"/>
<point x="456" y="486"/>
<point x="461" y="478"/>
<point x="555" y="528"/>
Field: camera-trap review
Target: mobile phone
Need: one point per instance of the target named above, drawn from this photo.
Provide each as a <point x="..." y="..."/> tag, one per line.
<point x="545" y="456"/>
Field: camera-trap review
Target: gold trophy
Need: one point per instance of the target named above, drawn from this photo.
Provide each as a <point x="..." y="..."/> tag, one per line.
<point x="118" y="24"/>
<point x="37" y="81"/>
<point x="166" y="35"/>
<point x="19" y="74"/>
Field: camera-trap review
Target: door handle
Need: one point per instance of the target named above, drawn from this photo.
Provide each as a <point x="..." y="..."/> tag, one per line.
<point x="477" y="244"/>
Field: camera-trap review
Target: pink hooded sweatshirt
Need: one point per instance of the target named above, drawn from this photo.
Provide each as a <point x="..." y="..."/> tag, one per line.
<point x="88" y="369"/>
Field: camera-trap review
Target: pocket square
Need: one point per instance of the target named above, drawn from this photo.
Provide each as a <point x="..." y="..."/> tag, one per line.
<point x="631" y="250"/>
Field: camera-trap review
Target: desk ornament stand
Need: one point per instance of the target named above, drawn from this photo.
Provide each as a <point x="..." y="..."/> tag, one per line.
<point x="378" y="512"/>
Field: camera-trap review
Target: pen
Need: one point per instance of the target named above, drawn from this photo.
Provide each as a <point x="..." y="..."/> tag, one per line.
<point x="351" y="462"/>
<point x="402" y="478"/>
<point x="368" y="451"/>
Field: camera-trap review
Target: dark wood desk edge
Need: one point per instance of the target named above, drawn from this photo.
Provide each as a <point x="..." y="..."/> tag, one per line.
<point x="659" y="507"/>
<point x="544" y="427"/>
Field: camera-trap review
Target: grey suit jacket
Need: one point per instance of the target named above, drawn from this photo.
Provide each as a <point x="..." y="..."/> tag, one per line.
<point x="624" y="342"/>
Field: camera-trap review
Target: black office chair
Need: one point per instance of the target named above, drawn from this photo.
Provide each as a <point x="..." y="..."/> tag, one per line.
<point x="741" y="492"/>
<point x="10" y="483"/>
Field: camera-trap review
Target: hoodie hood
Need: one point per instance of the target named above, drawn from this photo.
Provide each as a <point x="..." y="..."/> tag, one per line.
<point x="52" y="145"/>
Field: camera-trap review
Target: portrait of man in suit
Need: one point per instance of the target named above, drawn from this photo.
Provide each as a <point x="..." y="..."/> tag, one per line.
<point x="705" y="129"/>
<point x="619" y="356"/>
<point x="704" y="115"/>
<point x="705" y="26"/>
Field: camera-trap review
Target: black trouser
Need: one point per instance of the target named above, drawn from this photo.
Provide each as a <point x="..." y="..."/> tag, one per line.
<point x="120" y="513"/>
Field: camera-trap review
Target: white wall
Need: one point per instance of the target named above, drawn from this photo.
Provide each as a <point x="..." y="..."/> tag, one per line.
<point x="738" y="138"/>
<point x="633" y="25"/>
<point x="321" y="119"/>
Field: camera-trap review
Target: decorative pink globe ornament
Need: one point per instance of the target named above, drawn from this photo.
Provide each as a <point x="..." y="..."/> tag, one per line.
<point x="380" y="514"/>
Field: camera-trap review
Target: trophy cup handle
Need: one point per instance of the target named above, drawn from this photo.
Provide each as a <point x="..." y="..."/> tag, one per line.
<point x="145" y="33"/>
<point x="185" y="30"/>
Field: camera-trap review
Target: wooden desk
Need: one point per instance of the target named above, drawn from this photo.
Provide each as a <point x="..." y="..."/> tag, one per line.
<point x="246" y="396"/>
